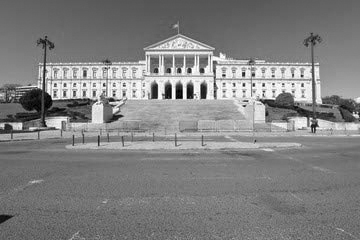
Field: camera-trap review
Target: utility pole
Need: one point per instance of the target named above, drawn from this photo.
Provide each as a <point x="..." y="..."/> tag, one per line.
<point x="107" y="63"/>
<point x="312" y="40"/>
<point x="251" y="62"/>
<point x="45" y="44"/>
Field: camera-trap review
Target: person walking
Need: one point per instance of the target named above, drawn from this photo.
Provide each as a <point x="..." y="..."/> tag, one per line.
<point x="314" y="125"/>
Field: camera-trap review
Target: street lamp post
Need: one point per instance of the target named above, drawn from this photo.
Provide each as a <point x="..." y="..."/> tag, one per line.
<point x="312" y="40"/>
<point x="45" y="44"/>
<point x="251" y="63"/>
<point x="107" y="63"/>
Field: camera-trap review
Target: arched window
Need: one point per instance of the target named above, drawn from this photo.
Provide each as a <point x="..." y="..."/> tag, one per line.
<point x="178" y="70"/>
<point x="156" y="70"/>
<point x="189" y="70"/>
<point x="202" y="70"/>
<point x="168" y="70"/>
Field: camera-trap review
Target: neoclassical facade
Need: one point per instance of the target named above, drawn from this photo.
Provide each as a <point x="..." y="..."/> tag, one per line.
<point x="181" y="68"/>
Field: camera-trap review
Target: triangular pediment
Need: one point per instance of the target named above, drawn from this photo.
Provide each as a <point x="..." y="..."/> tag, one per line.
<point x="179" y="42"/>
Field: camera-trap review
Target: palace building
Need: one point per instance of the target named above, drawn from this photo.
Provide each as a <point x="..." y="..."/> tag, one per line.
<point x="181" y="68"/>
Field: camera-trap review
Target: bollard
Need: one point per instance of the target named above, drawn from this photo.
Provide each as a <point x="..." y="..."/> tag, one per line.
<point x="61" y="133"/>
<point x="175" y="140"/>
<point x="108" y="138"/>
<point x="83" y="138"/>
<point x="122" y="141"/>
<point x="38" y="135"/>
<point x="11" y="135"/>
<point x="153" y="137"/>
<point x="98" y="140"/>
<point x="202" y="140"/>
<point x="73" y="140"/>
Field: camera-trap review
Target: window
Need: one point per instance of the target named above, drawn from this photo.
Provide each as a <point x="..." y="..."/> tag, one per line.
<point x="64" y="93"/>
<point x="74" y="93"/>
<point x="233" y="70"/>
<point x="224" y="94"/>
<point x="234" y="93"/>
<point x="253" y="72"/>
<point x="302" y="85"/>
<point x="114" y="93"/>
<point x="202" y="70"/>
<point x="253" y="84"/>
<point x="283" y="84"/>
<point x="55" y="93"/>
<point x="244" y="93"/>
<point x="263" y="70"/>
<point x="273" y="72"/>
<point x="302" y="93"/>
<point x="84" y="93"/>
<point x="74" y="84"/>
<point x="243" y="73"/>
<point x="64" y="85"/>
<point x="302" y="72"/>
<point x="264" y="94"/>
<point x="273" y="93"/>
<point x="84" y="73"/>
<point x="244" y="84"/>
<point x="156" y="70"/>
<point x="94" y="73"/>
<point x="114" y="85"/>
<point x="223" y="70"/>
<point x="124" y="93"/>
<point x="104" y="84"/>
<point x="168" y="70"/>
<point x="124" y="84"/>
<point x="134" y="94"/>
<point x="84" y="84"/>
<point x="143" y="94"/>
<point x="134" y="85"/>
<point x="293" y="85"/>
<point x="263" y="84"/>
<point x="134" y="72"/>
<point x="55" y="84"/>
<point x="273" y="84"/>
<point x="104" y="93"/>
<point x="189" y="70"/>
<point x="75" y="73"/>
<point x="293" y="93"/>
<point x="55" y="74"/>
<point x="105" y="70"/>
<point x="293" y="72"/>
<point x="282" y="72"/>
<point x="223" y="84"/>
<point x="94" y="84"/>
<point x="143" y="84"/>
<point x="94" y="93"/>
<point x="65" y="73"/>
<point x="114" y="70"/>
<point x="234" y="84"/>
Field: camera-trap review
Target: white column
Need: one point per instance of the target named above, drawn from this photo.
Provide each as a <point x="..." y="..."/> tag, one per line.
<point x="211" y="64"/>
<point x="173" y="64"/>
<point x="198" y="63"/>
<point x="208" y="68"/>
<point x="184" y="65"/>
<point x="162" y="64"/>
<point x="194" y="70"/>
<point x="159" y="68"/>
<point x="184" y="91"/>
<point x="173" y="91"/>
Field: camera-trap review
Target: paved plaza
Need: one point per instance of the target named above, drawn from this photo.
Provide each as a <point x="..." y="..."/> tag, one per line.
<point x="52" y="190"/>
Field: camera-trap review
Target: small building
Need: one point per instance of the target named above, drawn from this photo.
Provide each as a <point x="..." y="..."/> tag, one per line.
<point x="20" y="91"/>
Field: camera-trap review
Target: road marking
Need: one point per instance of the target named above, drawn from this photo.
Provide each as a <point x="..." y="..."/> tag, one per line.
<point x="264" y="177"/>
<point x="35" y="182"/>
<point x="231" y="138"/>
<point x="349" y="234"/>
<point x="268" y="150"/>
<point x="294" y="196"/>
<point x="325" y="170"/>
<point x="208" y="178"/>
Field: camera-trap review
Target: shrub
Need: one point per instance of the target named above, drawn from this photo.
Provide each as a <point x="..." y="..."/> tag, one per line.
<point x="285" y="100"/>
<point x="32" y="100"/>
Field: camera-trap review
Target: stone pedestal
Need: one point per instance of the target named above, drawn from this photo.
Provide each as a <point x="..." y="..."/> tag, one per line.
<point x="101" y="112"/>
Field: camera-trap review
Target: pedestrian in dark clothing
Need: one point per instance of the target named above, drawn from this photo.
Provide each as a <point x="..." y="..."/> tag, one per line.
<point x="314" y="125"/>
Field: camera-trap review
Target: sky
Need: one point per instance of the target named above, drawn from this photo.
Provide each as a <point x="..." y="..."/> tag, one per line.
<point x="273" y="30"/>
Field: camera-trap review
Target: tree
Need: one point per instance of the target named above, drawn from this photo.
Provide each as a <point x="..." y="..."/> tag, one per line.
<point x="285" y="100"/>
<point x="32" y="100"/>
<point x="334" y="100"/>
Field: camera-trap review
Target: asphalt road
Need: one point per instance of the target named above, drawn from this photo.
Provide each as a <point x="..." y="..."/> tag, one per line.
<point x="313" y="192"/>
